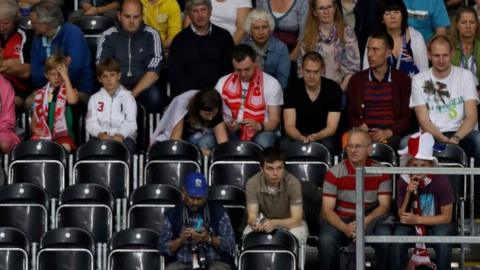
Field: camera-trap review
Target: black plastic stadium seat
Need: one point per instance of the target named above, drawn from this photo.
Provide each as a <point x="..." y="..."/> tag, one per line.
<point x="14" y="249"/>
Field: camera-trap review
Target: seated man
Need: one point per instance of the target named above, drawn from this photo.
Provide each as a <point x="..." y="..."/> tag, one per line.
<point x="338" y="225"/>
<point x="425" y="206"/>
<point x="15" y="51"/>
<point x="97" y="7"/>
<point x="445" y="99"/>
<point x="274" y="198"/>
<point x="313" y="106"/>
<point x="200" y="54"/>
<point x="377" y="98"/>
<point x="53" y="36"/>
<point x="138" y="49"/>
<point x="195" y="224"/>
<point x="252" y="99"/>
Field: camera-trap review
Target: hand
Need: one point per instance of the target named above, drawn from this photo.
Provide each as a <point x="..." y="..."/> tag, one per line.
<point x="8" y="64"/>
<point x="118" y="137"/>
<point x="103" y="136"/>
<point x="253" y="124"/>
<point x="304" y="139"/>
<point x="62" y="69"/>
<point x="454" y="140"/>
<point x="267" y="226"/>
<point x="92" y="11"/>
<point x="364" y="127"/>
<point x="351" y="230"/>
<point x="232" y="126"/>
<point x="205" y="151"/>
<point x="200" y="236"/>
<point x="413" y="184"/>
<point x="186" y="234"/>
<point x="86" y="7"/>
<point x="380" y="135"/>
<point x="409" y="218"/>
<point x="256" y="227"/>
<point x="312" y="137"/>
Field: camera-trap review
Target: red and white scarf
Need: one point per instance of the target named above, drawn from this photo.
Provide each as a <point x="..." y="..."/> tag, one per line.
<point x="41" y="102"/>
<point x="420" y="253"/>
<point x="254" y="106"/>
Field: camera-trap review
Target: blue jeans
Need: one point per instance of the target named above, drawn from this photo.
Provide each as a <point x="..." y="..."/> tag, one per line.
<point x="204" y="141"/>
<point x="399" y="251"/>
<point x="152" y="99"/>
<point x="330" y="240"/>
<point x="264" y="139"/>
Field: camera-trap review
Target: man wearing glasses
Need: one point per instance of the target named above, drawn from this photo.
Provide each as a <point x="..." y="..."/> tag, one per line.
<point x="338" y="225"/>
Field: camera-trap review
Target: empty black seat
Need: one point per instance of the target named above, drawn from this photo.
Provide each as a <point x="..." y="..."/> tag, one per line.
<point x="66" y="249"/>
<point x="14" y="249"/>
<point x="135" y="249"/>
<point x="149" y="203"/>
<point x="25" y="206"/>
<point x="169" y="161"/>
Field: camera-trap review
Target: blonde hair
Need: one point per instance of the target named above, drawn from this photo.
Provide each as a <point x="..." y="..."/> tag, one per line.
<point x="310" y="37"/>
<point x="54" y="61"/>
<point x="258" y="14"/>
<point x="453" y="32"/>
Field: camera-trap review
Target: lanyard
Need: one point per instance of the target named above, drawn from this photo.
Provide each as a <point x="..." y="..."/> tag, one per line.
<point x="404" y="47"/>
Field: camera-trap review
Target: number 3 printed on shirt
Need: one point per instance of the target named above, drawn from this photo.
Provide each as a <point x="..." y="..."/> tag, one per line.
<point x="100" y="106"/>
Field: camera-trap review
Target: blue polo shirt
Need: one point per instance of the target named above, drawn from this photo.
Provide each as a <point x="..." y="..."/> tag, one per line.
<point x="426" y="15"/>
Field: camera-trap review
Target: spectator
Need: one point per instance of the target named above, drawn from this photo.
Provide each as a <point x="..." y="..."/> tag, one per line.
<point x="55" y="37"/>
<point x="290" y="17"/>
<point x="15" y="52"/>
<point x="313" y="106"/>
<point x="445" y="99"/>
<point x="425" y="207"/>
<point x="429" y="17"/>
<point x="326" y="34"/>
<point x="348" y="11"/>
<point x="230" y="15"/>
<point x="112" y="111"/>
<point x="465" y="34"/>
<point x="52" y="117"/>
<point x="8" y="137"/>
<point x="138" y="49"/>
<point x="377" y="98"/>
<point x="252" y="99"/>
<point x="338" y="225"/>
<point x="409" y="52"/>
<point x="107" y="8"/>
<point x="272" y="54"/>
<point x="365" y="20"/>
<point x="197" y="224"/>
<point x="200" y="53"/>
<point x="274" y="198"/>
<point x="165" y="17"/>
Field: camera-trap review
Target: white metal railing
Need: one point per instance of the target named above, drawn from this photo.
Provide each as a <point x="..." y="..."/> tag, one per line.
<point x="361" y="239"/>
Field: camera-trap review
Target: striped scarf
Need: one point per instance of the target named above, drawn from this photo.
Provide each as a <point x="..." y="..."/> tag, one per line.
<point x="41" y="102"/>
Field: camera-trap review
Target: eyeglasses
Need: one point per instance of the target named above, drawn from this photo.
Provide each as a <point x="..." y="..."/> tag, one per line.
<point x="324" y="8"/>
<point x="356" y="146"/>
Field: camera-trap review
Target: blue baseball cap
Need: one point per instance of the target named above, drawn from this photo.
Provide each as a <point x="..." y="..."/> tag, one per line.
<point x="196" y="185"/>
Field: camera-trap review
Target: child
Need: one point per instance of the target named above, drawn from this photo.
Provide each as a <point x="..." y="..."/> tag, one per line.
<point x="52" y="118"/>
<point x="112" y="111"/>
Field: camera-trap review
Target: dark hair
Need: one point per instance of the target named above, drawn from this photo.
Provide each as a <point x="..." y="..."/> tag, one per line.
<point x="242" y="51"/>
<point x="207" y="99"/>
<point x="389" y="5"/>
<point x="385" y="36"/>
<point x="271" y="154"/>
<point x="314" y="57"/>
<point x="108" y="64"/>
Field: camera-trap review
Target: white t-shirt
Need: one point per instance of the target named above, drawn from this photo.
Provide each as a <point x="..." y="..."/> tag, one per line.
<point x="224" y="14"/>
<point x="272" y="92"/>
<point x="445" y="112"/>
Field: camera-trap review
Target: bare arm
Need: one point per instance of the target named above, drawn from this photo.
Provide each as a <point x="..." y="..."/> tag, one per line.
<point x="273" y="118"/>
<point x="72" y="94"/>
<point x="14" y="67"/>
<point x="289" y="122"/>
<point x="177" y="130"/>
<point x="252" y="213"/>
<point x="421" y="112"/>
<point x="383" y="208"/>
<point x="293" y="221"/>
<point x="147" y="80"/>
<point x="328" y="213"/>
<point x="221" y="133"/>
<point x="444" y="217"/>
<point x="333" y="118"/>
<point x="470" y="120"/>
<point x="240" y="32"/>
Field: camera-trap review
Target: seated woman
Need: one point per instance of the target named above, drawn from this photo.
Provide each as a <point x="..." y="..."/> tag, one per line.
<point x="230" y="15"/>
<point x="425" y="207"/>
<point x="195" y="116"/>
<point x="272" y="54"/>
<point x="466" y="37"/>
<point x="326" y="34"/>
<point x="8" y="137"/>
<point x="52" y="117"/>
<point x="409" y="51"/>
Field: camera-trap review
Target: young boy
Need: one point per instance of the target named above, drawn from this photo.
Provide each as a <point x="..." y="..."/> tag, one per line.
<point x="52" y="118"/>
<point x="112" y="111"/>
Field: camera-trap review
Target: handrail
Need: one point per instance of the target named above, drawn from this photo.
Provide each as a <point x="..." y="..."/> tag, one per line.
<point x="360" y="211"/>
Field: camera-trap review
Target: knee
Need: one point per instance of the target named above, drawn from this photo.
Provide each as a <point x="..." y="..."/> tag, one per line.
<point x="265" y="139"/>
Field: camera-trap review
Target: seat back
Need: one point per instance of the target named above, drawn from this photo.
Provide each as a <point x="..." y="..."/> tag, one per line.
<point x="137" y="248"/>
<point x="169" y="161"/>
<point x="25" y="207"/>
<point x="384" y="154"/>
<point x="89" y="207"/>
<point x="14" y="249"/>
<point x="277" y="250"/>
<point x="104" y="162"/>
<point x="149" y="203"/>
<point x="66" y="248"/>
<point x="236" y="150"/>
<point x="454" y="156"/>
<point x="142" y="134"/>
<point x="232" y="198"/>
<point x="41" y="162"/>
